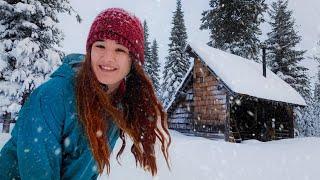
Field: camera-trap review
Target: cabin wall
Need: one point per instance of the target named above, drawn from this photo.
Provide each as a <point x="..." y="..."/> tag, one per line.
<point x="180" y="114"/>
<point x="210" y="100"/>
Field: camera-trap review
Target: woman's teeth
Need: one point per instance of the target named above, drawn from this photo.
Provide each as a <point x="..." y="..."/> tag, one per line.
<point x="107" y="68"/>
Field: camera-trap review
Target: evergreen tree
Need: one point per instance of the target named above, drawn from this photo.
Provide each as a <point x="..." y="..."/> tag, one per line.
<point x="283" y="57"/>
<point x="317" y="88"/>
<point x="317" y="84"/>
<point x="309" y="123"/>
<point x="234" y="26"/>
<point x="155" y="73"/>
<point x="147" y="51"/>
<point x="316" y="106"/>
<point x="177" y="62"/>
<point x="29" y="41"/>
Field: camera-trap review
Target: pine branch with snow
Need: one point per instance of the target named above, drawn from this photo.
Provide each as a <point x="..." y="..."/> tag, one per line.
<point x="29" y="48"/>
<point x="147" y="49"/>
<point x="283" y="56"/>
<point x="155" y="73"/>
<point x="177" y="62"/>
<point x="234" y="26"/>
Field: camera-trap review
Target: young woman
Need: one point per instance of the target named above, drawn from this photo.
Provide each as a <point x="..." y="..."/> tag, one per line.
<point x="69" y="125"/>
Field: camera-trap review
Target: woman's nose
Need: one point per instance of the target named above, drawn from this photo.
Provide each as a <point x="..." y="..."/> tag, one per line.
<point x="109" y="55"/>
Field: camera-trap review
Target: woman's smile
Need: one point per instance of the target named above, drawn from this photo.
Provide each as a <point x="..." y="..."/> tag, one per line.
<point x="105" y="68"/>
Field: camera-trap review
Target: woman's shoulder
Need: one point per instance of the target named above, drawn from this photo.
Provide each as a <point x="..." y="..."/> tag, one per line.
<point x="61" y="82"/>
<point x="55" y="87"/>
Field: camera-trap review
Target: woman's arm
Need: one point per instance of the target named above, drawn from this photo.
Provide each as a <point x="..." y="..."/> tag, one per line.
<point x="34" y="149"/>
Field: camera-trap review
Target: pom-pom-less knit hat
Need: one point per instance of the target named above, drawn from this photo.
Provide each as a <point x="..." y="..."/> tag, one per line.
<point x="121" y="26"/>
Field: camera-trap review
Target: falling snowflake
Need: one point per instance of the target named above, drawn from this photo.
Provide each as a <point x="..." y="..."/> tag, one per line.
<point x="201" y="70"/>
<point x="35" y="139"/>
<point x="57" y="151"/>
<point x="188" y="107"/>
<point x="281" y="127"/>
<point x="99" y="133"/>
<point x="39" y="129"/>
<point x="66" y="142"/>
<point x="26" y="150"/>
<point x="238" y="102"/>
<point x="94" y="168"/>
<point x="250" y="113"/>
<point x="73" y="116"/>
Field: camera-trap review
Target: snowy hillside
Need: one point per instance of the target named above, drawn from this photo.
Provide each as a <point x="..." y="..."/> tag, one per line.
<point x="195" y="158"/>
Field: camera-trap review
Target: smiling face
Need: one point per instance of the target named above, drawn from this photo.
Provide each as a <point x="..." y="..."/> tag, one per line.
<point x="110" y="62"/>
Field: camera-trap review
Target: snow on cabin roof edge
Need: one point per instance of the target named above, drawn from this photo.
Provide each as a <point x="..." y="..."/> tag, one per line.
<point x="246" y="75"/>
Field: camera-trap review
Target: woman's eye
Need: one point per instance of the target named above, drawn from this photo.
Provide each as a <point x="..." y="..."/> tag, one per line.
<point x="100" y="46"/>
<point x="121" y="50"/>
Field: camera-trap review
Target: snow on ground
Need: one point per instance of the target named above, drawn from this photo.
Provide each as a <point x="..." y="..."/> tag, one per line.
<point x="195" y="158"/>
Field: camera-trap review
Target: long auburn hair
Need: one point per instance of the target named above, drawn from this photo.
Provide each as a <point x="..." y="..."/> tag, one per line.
<point x="142" y="117"/>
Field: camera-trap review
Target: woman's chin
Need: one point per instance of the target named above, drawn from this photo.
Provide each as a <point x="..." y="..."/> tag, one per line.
<point x="109" y="82"/>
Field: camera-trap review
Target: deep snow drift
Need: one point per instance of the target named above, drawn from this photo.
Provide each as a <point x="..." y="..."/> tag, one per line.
<point x="196" y="158"/>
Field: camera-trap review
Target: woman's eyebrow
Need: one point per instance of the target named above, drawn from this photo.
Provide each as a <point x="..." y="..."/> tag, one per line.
<point x="119" y="44"/>
<point x="122" y="46"/>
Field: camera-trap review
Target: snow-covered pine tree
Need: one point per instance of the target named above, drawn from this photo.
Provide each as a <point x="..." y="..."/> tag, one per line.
<point x="234" y="26"/>
<point x="316" y="98"/>
<point x="309" y="124"/>
<point x="283" y="56"/>
<point x="317" y="88"/>
<point x="29" y="42"/>
<point x="317" y="84"/>
<point x="306" y="122"/>
<point x="155" y="73"/>
<point x="147" y="50"/>
<point x="177" y="62"/>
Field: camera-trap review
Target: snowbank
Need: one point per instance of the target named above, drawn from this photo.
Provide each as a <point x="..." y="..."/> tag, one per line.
<point x="195" y="158"/>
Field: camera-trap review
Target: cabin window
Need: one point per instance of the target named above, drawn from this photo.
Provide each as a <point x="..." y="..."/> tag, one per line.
<point x="201" y="80"/>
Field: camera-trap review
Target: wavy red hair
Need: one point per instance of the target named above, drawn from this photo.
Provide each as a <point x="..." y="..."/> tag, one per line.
<point x="142" y="118"/>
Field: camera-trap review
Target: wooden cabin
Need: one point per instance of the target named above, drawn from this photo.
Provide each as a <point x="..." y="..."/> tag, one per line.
<point x="228" y="97"/>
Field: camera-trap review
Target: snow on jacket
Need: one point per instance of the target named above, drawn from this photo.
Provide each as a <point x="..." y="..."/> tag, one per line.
<point x="47" y="141"/>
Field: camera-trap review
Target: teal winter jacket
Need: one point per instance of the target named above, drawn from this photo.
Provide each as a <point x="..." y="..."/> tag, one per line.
<point x="47" y="141"/>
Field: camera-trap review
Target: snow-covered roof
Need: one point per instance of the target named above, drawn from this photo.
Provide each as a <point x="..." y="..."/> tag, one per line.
<point x="245" y="76"/>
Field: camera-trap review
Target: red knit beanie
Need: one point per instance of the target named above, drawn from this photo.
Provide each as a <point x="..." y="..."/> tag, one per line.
<point x="121" y="26"/>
